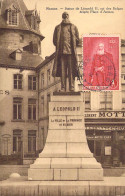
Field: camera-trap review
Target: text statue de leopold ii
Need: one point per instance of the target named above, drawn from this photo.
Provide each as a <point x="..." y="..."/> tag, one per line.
<point x="66" y="38"/>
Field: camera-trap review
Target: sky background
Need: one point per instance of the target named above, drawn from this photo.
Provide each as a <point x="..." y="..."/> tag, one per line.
<point x="104" y="23"/>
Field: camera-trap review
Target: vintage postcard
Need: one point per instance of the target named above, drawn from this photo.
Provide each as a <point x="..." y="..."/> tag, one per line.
<point x="62" y="97"/>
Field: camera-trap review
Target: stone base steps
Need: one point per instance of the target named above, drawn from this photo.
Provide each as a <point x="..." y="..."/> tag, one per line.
<point x="111" y="186"/>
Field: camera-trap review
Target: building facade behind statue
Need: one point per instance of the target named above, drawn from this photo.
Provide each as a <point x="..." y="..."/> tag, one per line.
<point x="104" y="117"/>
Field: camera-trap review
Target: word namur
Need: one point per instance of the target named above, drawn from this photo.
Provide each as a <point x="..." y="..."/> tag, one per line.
<point x="66" y="109"/>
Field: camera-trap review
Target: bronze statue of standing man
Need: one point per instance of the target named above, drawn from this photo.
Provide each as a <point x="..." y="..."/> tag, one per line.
<point x="66" y="38"/>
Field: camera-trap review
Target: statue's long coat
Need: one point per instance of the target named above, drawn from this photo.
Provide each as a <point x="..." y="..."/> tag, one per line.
<point x="74" y="42"/>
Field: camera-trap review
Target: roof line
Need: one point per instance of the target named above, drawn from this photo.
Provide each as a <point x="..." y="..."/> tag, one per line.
<point x="17" y="67"/>
<point x="47" y="60"/>
<point x="31" y="30"/>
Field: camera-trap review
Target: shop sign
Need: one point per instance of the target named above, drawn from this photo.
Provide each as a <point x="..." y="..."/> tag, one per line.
<point x="98" y="137"/>
<point x="107" y="128"/>
<point x="107" y="114"/>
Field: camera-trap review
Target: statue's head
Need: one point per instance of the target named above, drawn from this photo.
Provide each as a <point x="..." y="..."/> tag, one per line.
<point x="65" y="15"/>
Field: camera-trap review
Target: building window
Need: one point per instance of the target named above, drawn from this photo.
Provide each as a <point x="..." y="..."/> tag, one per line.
<point x="31" y="141"/>
<point x="106" y="100"/>
<point x="123" y="100"/>
<point x="42" y="80"/>
<point x="39" y="47"/>
<point x="48" y="76"/>
<point x="21" y="38"/>
<point x="18" y="80"/>
<point x="12" y="17"/>
<point x="31" y="109"/>
<point x="80" y="58"/>
<point x="17" y="143"/>
<point x="48" y="100"/>
<point x="87" y="100"/>
<point x="123" y="96"/>
<point x="123" y="88"/>
<point x="17" y="108"/>
<point x="31" y="82"/>
<point x="42" y="105"/>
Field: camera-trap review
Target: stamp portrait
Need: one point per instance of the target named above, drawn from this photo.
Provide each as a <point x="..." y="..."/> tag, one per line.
<point x="101" y="62"/>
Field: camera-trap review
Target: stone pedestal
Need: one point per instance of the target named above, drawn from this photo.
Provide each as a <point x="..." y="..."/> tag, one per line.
<point x="66" y="155"/>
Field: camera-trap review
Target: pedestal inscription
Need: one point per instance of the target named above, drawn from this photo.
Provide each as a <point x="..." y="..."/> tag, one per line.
<point x="66" y="122"/>
<point x="66" y="155"/>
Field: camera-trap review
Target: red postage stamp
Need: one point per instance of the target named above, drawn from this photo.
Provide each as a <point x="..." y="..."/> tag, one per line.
<point x="101" y="67"/>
